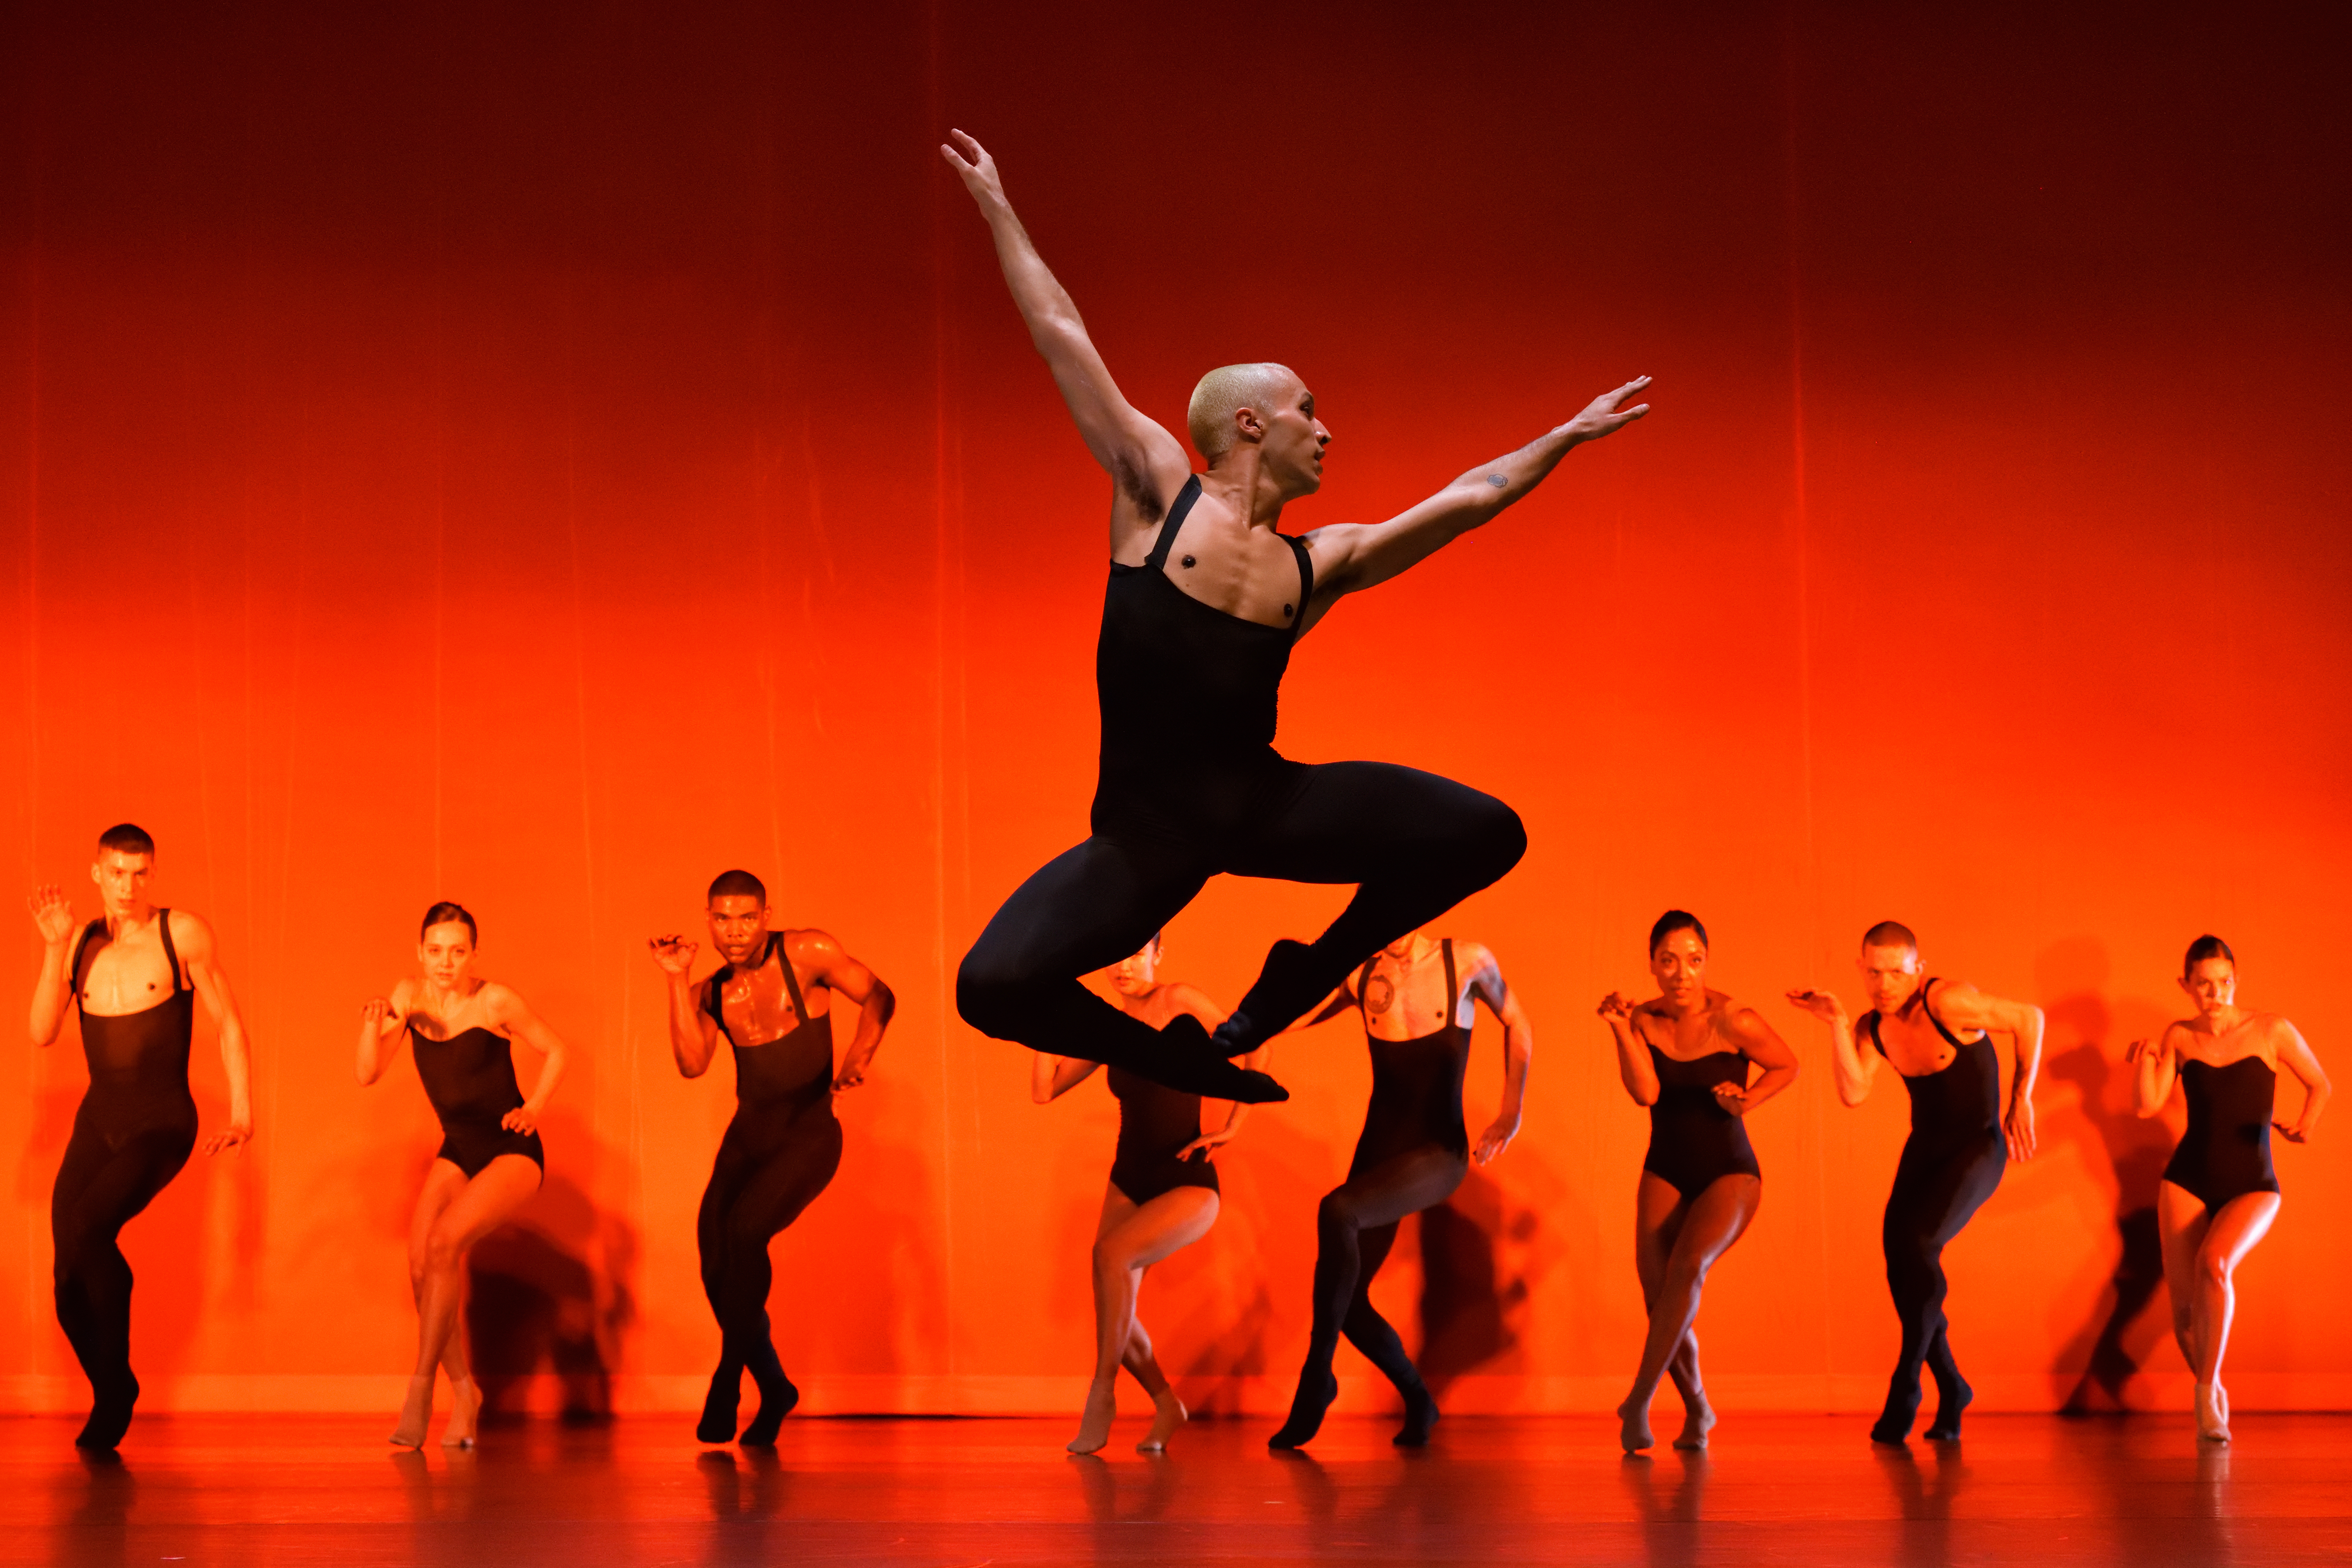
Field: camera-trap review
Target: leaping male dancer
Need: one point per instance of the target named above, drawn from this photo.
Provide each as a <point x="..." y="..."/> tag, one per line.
<point x="1204" y="602"/>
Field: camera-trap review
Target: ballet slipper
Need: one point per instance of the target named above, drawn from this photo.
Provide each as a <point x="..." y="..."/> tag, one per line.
<point x="1093" y="1425"/>
<point x="1420" y="1415"/>
<point x="1698" y="1420"/>
<point x="1307" y="1407"/>
<point x="415" y="1413"/>
<point x="465" y="1411"/>
<point x="1634" y="1432"/>
<point x="2212" y="1420"/>
<point x="1168" y="1413"/>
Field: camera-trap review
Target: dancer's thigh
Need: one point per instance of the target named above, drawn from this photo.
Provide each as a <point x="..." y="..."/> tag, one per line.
<point x="1086" y="908"/>
<point x="787" y="1182"/>
<point x="1401" y="1185"/>
<point x="1351" y="822"/>
<point x="110" y="1188"/>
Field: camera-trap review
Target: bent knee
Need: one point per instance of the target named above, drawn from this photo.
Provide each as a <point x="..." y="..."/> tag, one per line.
<point x="992" y="994"/>
<point x="1338" y="1212"/>
<point x="2214" y="1270"/>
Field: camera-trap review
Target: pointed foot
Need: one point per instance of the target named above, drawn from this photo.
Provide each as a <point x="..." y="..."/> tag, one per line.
<point x="1168" y="1413"/>
<point x="1307" y="1411"/>
<point x="1420" y="1415"/>
<point x="1633" y="1427"/>
<point x="718" y="1406"/>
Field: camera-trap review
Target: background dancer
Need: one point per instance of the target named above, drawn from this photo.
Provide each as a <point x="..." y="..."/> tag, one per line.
<point x="2219" y="1195"/>
<point x="1700" y="1182"/>
<point x="1415" y="995"/>
<point x="490" y="1161"/>
<point x="1162" y="1195"/>
<point x="1953" y="1158"/>
<point x="771" y="996"/>
<point x="1204" y="602"/>
<point x="136" y="972"/>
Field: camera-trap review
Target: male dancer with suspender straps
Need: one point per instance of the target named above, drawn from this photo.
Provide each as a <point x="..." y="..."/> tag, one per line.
<point x="772" y="998"/>
<point x="137" y="971"/>
<point x="1204" y="602"/>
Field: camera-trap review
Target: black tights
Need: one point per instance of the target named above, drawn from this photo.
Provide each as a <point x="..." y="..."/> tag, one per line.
<point x="1933" y="1199"/>
<point x="102" y="1182"/>
<point x="763" y="1177"/>
<point x="1354" y="1228"/>
<point x="1416" y="843"/>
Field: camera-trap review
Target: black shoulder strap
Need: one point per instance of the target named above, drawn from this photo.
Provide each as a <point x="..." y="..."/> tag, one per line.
<point x="714" y="1003"/>
<point x="791" y="986"/>
<point x="1453" y="986"/>
<point x="82" y="946"/>
<point x="1305" y="583"/>
<point x="1927" y="1007"/>
<point x="1868" y="1024"/>
<point x="1157" y="559"/>
<point x="170" y="953"/>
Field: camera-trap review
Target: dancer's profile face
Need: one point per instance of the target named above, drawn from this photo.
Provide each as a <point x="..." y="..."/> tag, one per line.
<point x="447" y="952"/>
<point x="1137" y="974"/>
<point x="1290" y="451"/>
<point x="122" y="881"/>
<point x="1679" y="965"/>
<point x="2212" y="985"/>
<point x="739" y="923"/>
<point x="1890" y="975"/>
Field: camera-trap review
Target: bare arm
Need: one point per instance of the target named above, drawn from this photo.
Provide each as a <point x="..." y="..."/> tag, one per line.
<point x="382" y="1022"/>
<point x="193" y="938"/>
<point x="2154" y="1066"/>
<point x="1351" y="557"/>
<point x="1760" y="1044"/>
<point x="1052" y="1077"/>
<point x="1487" y="985"/>
<point x="1963" y="1007"/>
<point x="2297" y="1054"/>
<point x="693" y="1033"/>
<point x="1221" y="1118"/>
<point x="53" y="989"/>
<point x="1854" y="1068"/>
<point x="1144" y="461"/>
<point x="825" y="962"/>
<point x="509" y="1012"/>
<point x="1634" y="1069"/>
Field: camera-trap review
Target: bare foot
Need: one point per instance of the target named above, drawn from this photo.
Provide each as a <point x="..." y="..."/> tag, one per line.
<point x="465" y="1406"/>
<point x="1636" y="1433"/>
<point x="1167" y="1415"/>
<point x="1698" y="1420"/>
<point x="2212" y="1416"/>
<point x="1094" y="1427"/>
<point x="415" y="1412"/>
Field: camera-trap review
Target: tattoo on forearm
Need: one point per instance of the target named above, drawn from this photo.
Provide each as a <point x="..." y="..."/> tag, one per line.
<point x="1497" y="480"/>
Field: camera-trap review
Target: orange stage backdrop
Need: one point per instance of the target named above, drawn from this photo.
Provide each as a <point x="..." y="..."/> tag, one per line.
<point x="542" y="456"/>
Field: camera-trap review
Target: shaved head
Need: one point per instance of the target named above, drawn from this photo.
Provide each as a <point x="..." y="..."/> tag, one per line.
<point x="1227" y="391"/>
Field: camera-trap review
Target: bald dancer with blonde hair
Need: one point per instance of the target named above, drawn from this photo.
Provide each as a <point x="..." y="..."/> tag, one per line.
<point x="1206" y="597"/>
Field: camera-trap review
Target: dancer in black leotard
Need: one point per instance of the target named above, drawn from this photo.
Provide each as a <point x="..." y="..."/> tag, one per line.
<point x="2220" y="1195"/>
<point x="489" y="1162"/>
<point x="1204" y="602"/>
<point x="1700" y="1183"/>
<point x="1415" y="997"/>
<point x="1162" y="1194"/>
<point x="772" y="998"/>
<point x="136" y="972"/>
<point x="1958" y="1143"/>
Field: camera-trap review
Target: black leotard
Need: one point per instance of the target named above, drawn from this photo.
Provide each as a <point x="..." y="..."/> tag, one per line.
<point x="1693" y="1140"/>
<point x="470" y="1080"/>
<point x="2226" y="1152"/>
<point x="134" y="1129"/>
<point x="1153" y="1124"/>
<point x="1191" y="785"/>
<point x="779" y="1152"/>
<point x="1951" y="1164"/>
<point x="1413" y="1153"/>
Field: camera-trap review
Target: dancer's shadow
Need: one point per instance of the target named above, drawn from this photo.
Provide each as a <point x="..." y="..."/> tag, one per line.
<point x="1464" y="1307"/>
<point x="1669" y="1494"/>
<point x="95" y="1507"/>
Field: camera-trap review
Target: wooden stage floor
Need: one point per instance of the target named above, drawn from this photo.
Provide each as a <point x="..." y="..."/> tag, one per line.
<point x="1776" y="1490"/>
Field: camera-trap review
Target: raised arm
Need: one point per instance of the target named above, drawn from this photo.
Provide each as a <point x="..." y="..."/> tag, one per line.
<point x="1487" y="985"/>
<point x="382" y="1022"/>
<point x="1963" y="1007"/>
<point x="693" y="1033"/>
<point x="2297" y="1055"/>
<point x="193" y="938"/>
<point x="1147" y="464"/>
<point x="825" y="962"/>
<point x="1351" y="557"/>
<point x="1760" y="1044"/>
<point x="1854" y="1068"/>
<point x="511" y="1014"/>
<point x="53" y="988"/>
<point x="1052" y="1077"/>
<point x="2154" y="1066"/>
<point x="1634" y="1069"/>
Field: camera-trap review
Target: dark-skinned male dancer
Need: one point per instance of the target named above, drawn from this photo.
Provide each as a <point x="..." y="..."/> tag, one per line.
<point x="138" y="972"/>
<point x="771" y="997"/>
<point x="1204" y="602"/>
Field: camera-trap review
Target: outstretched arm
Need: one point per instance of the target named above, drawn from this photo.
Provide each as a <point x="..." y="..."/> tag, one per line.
<point x="1854" y="1068"/>
<point x="54" y="987"/>
<point x="2296" y="1053"/>
<point x="1760" y="1044"/>
<point x="693" y="1033"/>
<point x="827" y="964"/>
<point x="1144" y="461"/>
<point x="1487" y="984"/>
<point x="1963" y="1007"/>
<point x="1351" y="557"/>
<point x="511" y="1013"/>
<point x="195" y="940"/>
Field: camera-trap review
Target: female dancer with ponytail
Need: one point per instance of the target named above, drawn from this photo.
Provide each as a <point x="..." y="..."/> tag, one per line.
<point x="2219" y="1195"/>
<point x="490" y="1161"/>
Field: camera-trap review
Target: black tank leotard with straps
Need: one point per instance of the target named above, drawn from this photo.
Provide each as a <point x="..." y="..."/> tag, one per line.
<point x="470" y="1080"/>
<point x="1416" y="1084"/>
<point x="134" y="1131"/>
<point x="1154" y="1124"/>
<point x="1190" y="785"/>
<point x="1694" y="1140"/>
<point x="2226" y="1151"/>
